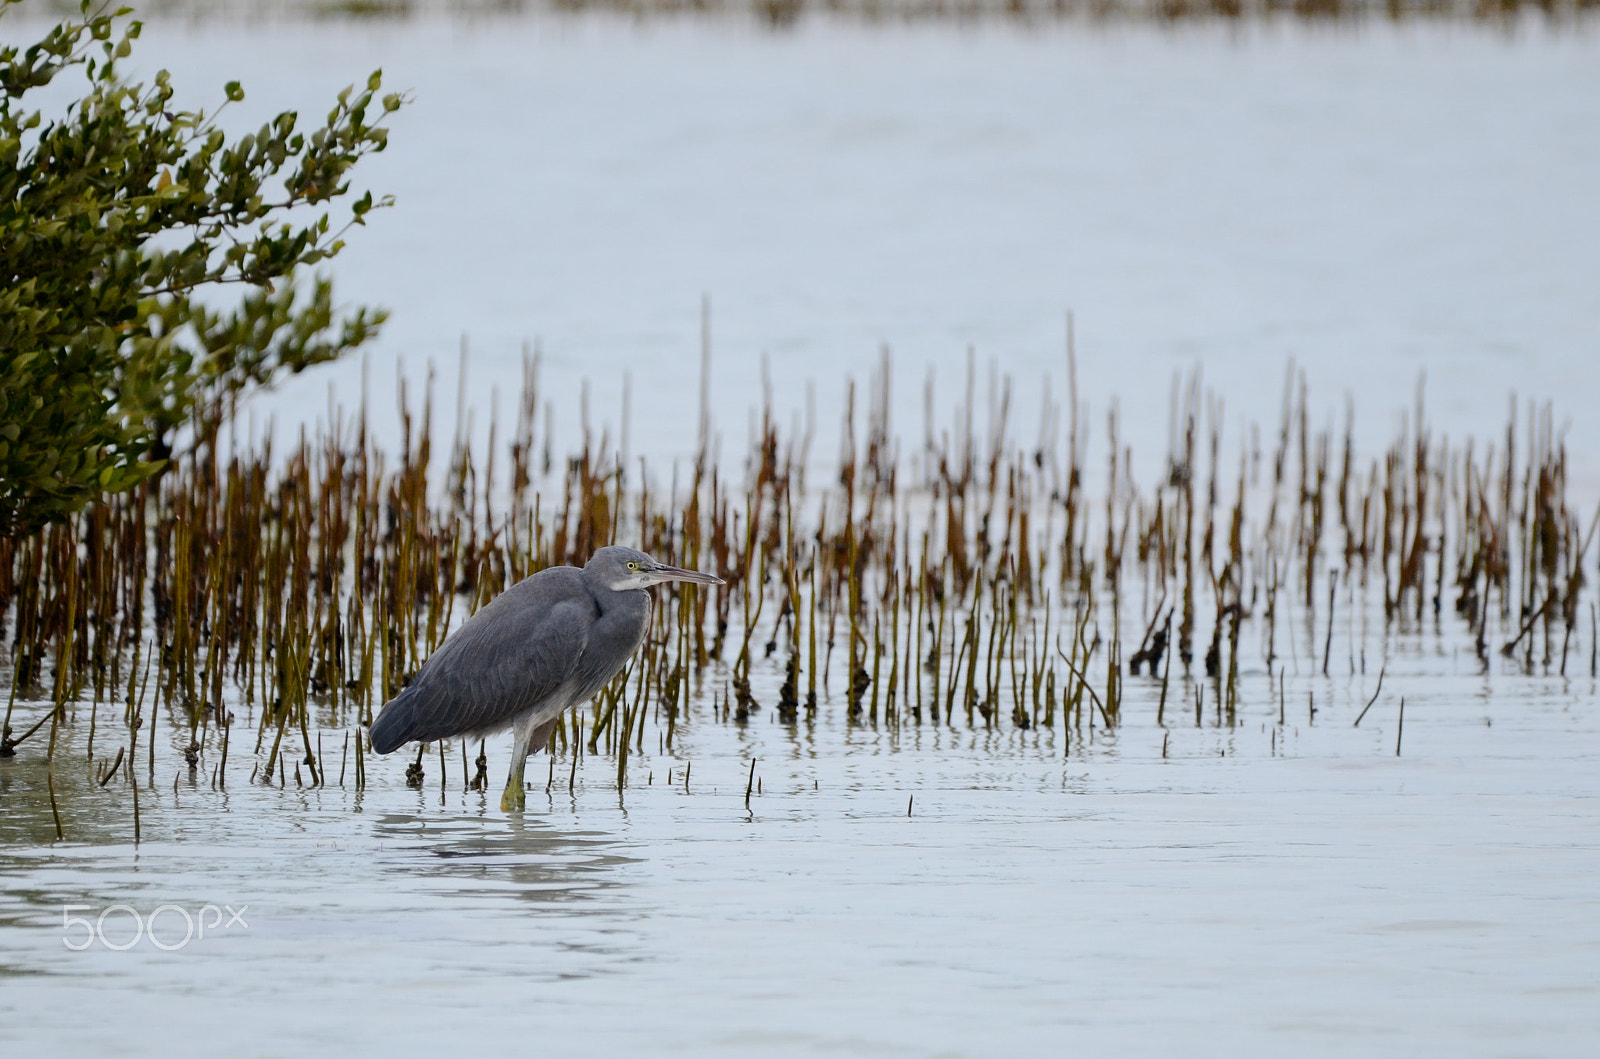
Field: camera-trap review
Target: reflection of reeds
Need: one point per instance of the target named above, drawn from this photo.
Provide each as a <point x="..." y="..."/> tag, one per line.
<point x="781" y="14"/>
<point x="978" y="586"/>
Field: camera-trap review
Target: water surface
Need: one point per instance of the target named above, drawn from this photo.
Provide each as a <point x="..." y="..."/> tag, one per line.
<point x="1295" y="888"/>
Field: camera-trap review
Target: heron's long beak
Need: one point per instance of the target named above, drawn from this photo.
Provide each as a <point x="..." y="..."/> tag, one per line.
<point x="661" y="572"/>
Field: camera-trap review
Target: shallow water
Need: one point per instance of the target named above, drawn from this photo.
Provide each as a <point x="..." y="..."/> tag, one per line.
<point x="1276" y="889"/>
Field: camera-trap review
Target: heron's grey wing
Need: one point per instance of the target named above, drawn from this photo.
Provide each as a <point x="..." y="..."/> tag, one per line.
<point x="515" y="652"/>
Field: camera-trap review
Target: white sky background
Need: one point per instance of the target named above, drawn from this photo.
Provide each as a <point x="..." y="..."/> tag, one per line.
<point x="1373" y="202"/>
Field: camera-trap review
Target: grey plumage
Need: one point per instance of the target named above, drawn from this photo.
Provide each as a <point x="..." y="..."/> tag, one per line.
<point x="549" y="642"/>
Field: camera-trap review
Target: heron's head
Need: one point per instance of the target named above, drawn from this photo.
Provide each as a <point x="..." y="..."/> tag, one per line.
<point x="626" y="569"/>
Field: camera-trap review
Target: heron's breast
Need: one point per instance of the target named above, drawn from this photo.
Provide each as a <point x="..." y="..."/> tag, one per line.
<point x="618" y="633"/>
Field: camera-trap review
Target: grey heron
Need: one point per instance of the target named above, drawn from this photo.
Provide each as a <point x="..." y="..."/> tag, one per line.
<point x="546" y="643"/>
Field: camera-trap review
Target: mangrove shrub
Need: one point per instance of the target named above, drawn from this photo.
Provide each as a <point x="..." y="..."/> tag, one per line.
<point x="124" y="221"/>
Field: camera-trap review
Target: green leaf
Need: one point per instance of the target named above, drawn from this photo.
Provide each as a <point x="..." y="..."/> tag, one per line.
<point x="121" y="219"/>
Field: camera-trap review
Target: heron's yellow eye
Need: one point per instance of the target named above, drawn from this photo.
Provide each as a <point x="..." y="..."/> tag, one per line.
<point x="633" y="566"/>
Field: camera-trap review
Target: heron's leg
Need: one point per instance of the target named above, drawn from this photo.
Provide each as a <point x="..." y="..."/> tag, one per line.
<point x="529" y="738"/>
<point x="513" y="800"/>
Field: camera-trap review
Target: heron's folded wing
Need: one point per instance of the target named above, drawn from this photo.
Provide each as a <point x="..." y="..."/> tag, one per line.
<point x="505" y="659"/>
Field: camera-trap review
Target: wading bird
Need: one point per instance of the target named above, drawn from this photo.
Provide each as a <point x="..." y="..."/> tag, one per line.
<point x="546" y="643"/>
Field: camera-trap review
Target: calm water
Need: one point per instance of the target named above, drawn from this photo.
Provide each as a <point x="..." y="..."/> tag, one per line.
<point x="1265" y="888"/>
<point x="1374" y="202"/>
